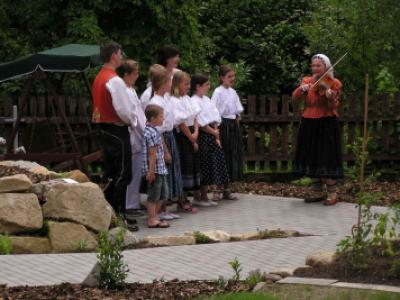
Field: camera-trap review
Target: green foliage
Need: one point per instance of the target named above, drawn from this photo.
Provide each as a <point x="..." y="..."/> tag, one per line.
<point x="272" y="44"/>
<point x="201" y="238"/>
<point x="82" y="246"/>
<point x="304" y="181"/>
<point x="5" y="244"/>
<point x="221" y="282"/>
<point x="237" y="268"/>
<point x="357" y="27"/>
<point x="253" y="278"/>
<point x="112" y="271"/>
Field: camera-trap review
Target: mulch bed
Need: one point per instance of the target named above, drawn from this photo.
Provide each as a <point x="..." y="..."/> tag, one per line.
<point x="158" y="290"/>
<point x="347" y="191"/>
<point x="377" y="268"/>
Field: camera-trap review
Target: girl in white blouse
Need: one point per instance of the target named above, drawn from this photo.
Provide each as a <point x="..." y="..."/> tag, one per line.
<point x="186" y="134"/>
<point x="212" y="159"/>
<point x="229" y="106"/>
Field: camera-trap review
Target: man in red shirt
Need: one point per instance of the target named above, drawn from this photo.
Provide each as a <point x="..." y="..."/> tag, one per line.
<point x="113" y="113"/>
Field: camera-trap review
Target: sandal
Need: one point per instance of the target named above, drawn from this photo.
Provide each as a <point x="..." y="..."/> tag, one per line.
<point x="187" y="208"/>
<point x="160" y="224"/>
<point x="331" y="200"/>
<point x="228" y="196"/>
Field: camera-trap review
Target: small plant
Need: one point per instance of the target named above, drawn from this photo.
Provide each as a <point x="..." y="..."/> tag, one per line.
<point x="253" y="278"/>
<point x="221" y="282"/>
<point x="201" y="238"/>
<point x="112" y="271"/>
<point x="268" y="234"/>
<point x="237" y="268"/>
<point x="82" y="246"/>
<point x="304" y="181"/>
<point x="5" y="244"/>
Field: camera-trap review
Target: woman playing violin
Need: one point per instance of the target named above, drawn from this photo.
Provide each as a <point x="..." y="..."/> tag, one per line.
<point x="319" y="148"/>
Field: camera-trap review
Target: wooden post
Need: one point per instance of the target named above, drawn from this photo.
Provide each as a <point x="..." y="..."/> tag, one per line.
<point x="364" y="145"/>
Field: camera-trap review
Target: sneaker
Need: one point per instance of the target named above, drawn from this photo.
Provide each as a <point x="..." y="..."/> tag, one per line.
<point x="201" y="203"/>
<point x="175" y="216"/>
<point x="212" y="203"/>
<point x="164" y="216"/>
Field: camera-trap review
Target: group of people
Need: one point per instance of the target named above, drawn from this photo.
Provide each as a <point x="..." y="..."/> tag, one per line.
<point x="178" y="140"/>
<point x="174" y="138"/>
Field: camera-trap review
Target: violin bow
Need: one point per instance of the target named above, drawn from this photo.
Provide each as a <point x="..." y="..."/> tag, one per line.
<point x="330" y="68"/>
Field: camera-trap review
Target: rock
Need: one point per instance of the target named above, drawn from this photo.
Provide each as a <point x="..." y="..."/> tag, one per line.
<point x="91" y="279"/>
<point x="305" y="271"/>
<point x="259" y="286"/>
<point x="82" y="203"/>
<point x="20" y="213"/>
<point x="217" y="235"/>
<point x="252" y="235"/>
<point x="284" y="272"/>
<point x="30" y="245"/>
<point x="292" y="233"/>
<point x="320" y="258"/>
<point x="170" y="240"/>
<point x="70" y="237"/>
<point x="129" y="238"/>
<point x="271" y="277"/>
<point x="40" y="170"/>
<point x="15" y="183"/>
<point x="77" y="175"/>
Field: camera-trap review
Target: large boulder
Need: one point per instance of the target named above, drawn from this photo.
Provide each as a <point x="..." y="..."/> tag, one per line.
<point x="77" y="175"/>
<point x="15" y="183"/>
<point x="19" y="213"/>
<point x="320" y="258"/>
<point x="81" y="203"/>
<point x="30" y="245"/>
<point x="70" y="237"/>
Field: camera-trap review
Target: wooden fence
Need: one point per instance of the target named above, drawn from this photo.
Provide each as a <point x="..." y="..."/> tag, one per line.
<point x="269" y="127"/>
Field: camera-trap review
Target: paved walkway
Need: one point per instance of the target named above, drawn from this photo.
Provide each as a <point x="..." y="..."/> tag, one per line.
<point x="328" y="225"/>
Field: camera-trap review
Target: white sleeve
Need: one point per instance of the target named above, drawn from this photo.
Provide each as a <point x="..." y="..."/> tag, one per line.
<point x="181" y="112"/>
<point x="238" y="104"/>
<point x="216" y="99"/>
<point x="120" y="99"/>
<point x="146" y="97"/>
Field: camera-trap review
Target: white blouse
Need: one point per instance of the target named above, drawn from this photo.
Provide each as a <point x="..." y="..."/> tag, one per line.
<point x="146" y="97"/>
<point x="136" y="133"/>
<point x="166" y="104"/>
<point x="227" y="102"/>
<point x="209" y="113"/>
<point x="185" y="110"/>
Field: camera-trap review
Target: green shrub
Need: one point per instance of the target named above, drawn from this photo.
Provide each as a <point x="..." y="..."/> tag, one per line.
<point x="112" y="271"/>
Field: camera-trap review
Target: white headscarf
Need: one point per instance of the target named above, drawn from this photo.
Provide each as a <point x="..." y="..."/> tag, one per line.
<point x="326" y="62"/>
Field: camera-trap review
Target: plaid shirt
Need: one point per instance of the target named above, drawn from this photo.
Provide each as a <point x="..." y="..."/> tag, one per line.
<point x="152" y="138"/>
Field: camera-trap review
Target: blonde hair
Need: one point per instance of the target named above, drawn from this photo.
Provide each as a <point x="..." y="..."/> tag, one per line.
<point x="158" y="76"/>
<point x="176" y="81"/>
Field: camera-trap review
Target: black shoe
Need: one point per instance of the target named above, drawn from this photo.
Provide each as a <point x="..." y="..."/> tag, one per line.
<point x="132" y="227"/>
<point x="314" y="198"/>
<point x="130" y="220"/>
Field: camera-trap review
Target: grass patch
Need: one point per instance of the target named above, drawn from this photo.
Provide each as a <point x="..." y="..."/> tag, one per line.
<point x="307" y="292"/>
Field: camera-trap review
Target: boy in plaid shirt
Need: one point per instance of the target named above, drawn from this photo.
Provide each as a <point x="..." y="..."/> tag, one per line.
<point x="154" y="167"/>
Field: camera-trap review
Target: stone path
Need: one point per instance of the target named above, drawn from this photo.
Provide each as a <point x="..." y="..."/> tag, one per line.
<point x="328" y="225"/>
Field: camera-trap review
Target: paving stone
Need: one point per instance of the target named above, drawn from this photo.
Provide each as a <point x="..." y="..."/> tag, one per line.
<point x="377" y="287"/>
<point x="311" y="281"/>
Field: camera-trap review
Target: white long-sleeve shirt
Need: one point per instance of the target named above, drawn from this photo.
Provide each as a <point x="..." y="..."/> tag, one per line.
<point x="227" y="102"/>
<point x="136" y="133"/>
<point x="121" y="102"/>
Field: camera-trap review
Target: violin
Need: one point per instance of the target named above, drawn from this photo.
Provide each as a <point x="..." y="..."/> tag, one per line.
<point x="322" y="85"/>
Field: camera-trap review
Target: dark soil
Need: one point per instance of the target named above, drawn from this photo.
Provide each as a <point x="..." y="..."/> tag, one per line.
<point x="374" y="268"/>
<point x="347" y="190"/>
<point x="158" y="291"/>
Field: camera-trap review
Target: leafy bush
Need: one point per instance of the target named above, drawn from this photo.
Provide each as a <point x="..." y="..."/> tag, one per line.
<point x="112" y="271"/>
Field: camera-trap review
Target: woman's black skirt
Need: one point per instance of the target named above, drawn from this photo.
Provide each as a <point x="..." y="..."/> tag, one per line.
<point x="212" y="161"/>
<point x="232" y="147"/>
<point x="319" y="149"/>
<point x="190" y="161"/>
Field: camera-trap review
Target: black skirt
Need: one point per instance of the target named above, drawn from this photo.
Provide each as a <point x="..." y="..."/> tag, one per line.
<point x="232" y="147"/>
<point x="319" y="149"/>
<point x="212" y="161"/>
<point x="190" y="161"/>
